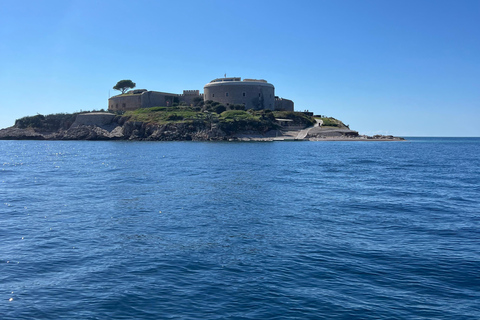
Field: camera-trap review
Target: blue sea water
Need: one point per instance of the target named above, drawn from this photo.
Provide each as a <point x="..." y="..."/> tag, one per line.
<point x="209" y="230"/>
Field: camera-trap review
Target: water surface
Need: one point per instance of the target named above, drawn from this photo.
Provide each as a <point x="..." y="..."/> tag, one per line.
<point x="272" y="230"/>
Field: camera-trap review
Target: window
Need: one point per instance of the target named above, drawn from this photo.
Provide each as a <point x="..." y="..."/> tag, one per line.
<point x="259" y="95"/>
<point x="123" y="105"/>
<point x="213" y="95"/>
<point x="226" y="94"/>
<point x="244" y="94"/>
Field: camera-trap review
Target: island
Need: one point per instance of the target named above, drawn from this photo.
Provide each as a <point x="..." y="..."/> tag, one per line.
<point x="229" y="110"/>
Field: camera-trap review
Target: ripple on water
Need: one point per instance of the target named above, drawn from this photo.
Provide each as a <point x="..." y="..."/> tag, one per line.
<point x="95" y="230"/>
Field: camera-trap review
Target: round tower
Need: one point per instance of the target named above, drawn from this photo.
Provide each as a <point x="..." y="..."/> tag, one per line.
<point x="253" y="93"/>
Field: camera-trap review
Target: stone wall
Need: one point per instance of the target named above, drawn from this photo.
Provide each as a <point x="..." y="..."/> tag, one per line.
<point x="93" y="119"/>
<point x="125" y="102"/>
<point x="144" y="99"/>
<point x="283" y="104"/>
<point x="189" y="95"/>
<point x="253" y="94"/>
<point x="157" y="99"/>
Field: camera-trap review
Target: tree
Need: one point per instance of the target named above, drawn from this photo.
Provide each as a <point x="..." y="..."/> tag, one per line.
<point x="123" y="85"/>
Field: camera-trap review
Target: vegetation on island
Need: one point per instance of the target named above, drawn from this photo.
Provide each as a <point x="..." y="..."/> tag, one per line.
<point x="214" y="114"/>
<point x="209" y="114"/>
<point x="331" y="122"/>
<point x="50" y="122"/>
<point x="124" y="85"/>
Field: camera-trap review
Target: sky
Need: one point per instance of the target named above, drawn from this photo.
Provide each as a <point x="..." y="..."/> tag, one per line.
<point x="407" y="68"/>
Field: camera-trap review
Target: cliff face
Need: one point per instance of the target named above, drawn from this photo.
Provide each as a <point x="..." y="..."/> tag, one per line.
<point x="107" y="126"/>
<point x="110" y="127"/>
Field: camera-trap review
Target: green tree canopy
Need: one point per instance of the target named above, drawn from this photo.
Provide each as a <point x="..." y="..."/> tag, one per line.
<point x="124" y="85"/>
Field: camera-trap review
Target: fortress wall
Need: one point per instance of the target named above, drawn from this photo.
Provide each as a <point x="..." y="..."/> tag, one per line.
<point x="124" y="103"/>
<point x="189" y="95"/>
<point x="252" y="95"/>
<point x="157" y="99"/>
<point x="284" y="104"/>
<point x="188" y="99"/>
<point x="145" y="99"/>
<point x="93" y="119"/>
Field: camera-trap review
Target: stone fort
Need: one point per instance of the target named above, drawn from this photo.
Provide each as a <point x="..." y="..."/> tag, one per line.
<point x="252" y="93"/>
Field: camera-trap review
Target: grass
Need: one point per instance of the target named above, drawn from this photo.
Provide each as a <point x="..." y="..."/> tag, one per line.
<point x="235" y="115"/>
<point x="230" y="121"/>
<point x="163" y="115"/>
<point x="332" y="122"/>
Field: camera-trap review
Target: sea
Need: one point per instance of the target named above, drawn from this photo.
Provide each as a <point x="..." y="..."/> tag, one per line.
<point x="240" y="230"/>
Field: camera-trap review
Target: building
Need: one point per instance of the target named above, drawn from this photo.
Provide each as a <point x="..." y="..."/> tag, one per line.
<point x="251" y="93"/>
<point x="140" y="98"/>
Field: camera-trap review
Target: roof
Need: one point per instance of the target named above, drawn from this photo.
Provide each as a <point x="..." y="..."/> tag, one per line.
<point x="237" y="82"/>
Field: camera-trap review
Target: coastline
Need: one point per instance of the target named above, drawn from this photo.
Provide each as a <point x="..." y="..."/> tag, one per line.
<point x="108" y="126"/>
<point x="148" y="132"/>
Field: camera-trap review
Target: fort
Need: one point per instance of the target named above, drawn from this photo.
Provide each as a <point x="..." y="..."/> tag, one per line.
<point x="229" y="109"/>
<point x="250" y="93"/>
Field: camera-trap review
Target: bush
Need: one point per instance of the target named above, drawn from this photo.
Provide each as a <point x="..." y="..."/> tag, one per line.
<point x="198" y="101"/>
<point x="51" y="122"/>
<point x="237" y="107"/>
<point x="174" y="117"/>
<point x="220" y="108"/>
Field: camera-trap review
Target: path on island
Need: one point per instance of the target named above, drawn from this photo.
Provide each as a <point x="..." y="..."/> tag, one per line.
<point x="303" y="133"/>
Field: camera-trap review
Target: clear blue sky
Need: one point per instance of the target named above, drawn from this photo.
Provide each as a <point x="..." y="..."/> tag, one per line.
<point x="404" y="67"/>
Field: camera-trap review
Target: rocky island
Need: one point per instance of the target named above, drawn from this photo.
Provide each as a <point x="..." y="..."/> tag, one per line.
<point x="184" y="123"/>
<point x="229" y="109"/>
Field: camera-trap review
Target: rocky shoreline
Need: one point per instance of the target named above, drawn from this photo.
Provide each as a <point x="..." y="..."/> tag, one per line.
<point x="106" y="126"/>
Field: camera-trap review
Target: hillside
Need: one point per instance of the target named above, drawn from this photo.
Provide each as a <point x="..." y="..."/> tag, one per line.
<point x="158" y="123"/>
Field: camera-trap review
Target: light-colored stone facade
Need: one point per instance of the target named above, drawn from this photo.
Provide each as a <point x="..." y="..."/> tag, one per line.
<point x="93" y="119"/>
<point x="253" y="94"/>
<point x="188" y="96"/>
<point x="283" y="104"/>
<point x="136" y="99"/>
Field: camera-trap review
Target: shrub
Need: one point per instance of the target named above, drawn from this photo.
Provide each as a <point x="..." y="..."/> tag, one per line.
<point x="220" y="108"/>
<point x="198" y="101"/>
<point x="237" y="107"/>
<point x="329" y="122"/>
<point x="174" y="117"/>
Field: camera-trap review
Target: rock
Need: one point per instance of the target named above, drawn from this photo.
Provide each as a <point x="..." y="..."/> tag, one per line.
<point x="13" y="133"/>
<point x="106" y="126"/>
